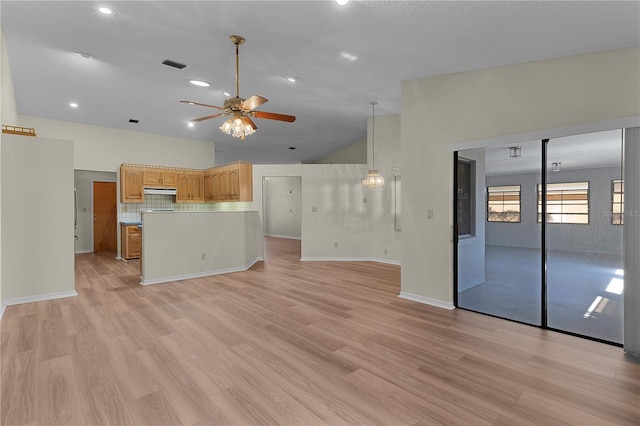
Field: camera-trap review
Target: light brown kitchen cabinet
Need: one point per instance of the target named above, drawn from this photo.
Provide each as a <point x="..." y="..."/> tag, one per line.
<point x="190" y="187"/>
<point x="131" y="184"/>
<point x="235" y="182"/>
<point x="158" y="178"/>
<point x="207" y="185"/>
<point x="131" y="241"/>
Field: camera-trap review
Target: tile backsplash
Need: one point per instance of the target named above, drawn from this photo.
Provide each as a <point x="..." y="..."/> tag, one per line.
<point x="131" y="212"/>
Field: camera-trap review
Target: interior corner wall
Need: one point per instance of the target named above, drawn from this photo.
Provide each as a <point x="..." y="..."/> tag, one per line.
<point x="104" y="149"/>
<point x="540" y="99"/>
<point x="8" y="115"/>
<point x="8" y="106"/>
<point x="282" y="206"/>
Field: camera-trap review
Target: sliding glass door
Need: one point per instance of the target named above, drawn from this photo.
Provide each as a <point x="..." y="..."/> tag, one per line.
<point x="539" y="235"/>
<point x="584" y="235"/>
<point x="499" y="262"/>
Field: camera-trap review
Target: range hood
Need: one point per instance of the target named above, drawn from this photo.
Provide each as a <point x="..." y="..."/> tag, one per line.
<point x="162" y="191"/>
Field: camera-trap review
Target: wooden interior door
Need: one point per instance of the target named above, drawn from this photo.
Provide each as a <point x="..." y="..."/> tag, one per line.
<point x="104" y="217"/>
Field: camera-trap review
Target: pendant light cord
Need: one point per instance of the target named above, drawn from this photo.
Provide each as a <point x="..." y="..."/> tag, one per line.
<point x="373" y="134"/>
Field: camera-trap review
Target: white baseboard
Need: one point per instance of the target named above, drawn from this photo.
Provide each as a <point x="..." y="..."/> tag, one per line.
<point x="202" y="274"/>
<point x="426" y="300"/>
<point x="282" y="236"/>
<point x="39" y="298"/>
<point x="350" y="259"/>
<point x="83" y="251"/>
<point x="2" y="306"/>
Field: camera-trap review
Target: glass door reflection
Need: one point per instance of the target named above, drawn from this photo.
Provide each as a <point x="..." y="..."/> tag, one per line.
<point x="585" y="195"/>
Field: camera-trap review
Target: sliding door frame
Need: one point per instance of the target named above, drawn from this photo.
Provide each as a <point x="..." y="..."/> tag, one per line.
<point x="543" y="248"/>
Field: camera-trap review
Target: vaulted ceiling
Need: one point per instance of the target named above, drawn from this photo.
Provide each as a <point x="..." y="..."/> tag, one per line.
<point x="343" y="56"/>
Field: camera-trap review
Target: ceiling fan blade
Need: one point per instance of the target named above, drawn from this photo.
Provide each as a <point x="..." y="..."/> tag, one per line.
<point x="251" y="122"/>
<point x="209" y="117"/>
<point x="274" y="116"/>
<point x="253" y="102"/>
<point x="204" y="105"/>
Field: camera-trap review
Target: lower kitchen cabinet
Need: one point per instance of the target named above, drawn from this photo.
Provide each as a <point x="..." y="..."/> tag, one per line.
<point x="131" y="242"/>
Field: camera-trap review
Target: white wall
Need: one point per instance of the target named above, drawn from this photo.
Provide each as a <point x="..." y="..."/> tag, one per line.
<point x="471" y="249"/>
<point x="104" y="149"/>
<point x="195" y="244"/>
<point x="282" y="206"/>
<point x="353" y="154"/>
<point x="37" y="224"/>
<point x="529" y="101"/>
<point x="362" y="229"/>
<point x="599" y="236"/>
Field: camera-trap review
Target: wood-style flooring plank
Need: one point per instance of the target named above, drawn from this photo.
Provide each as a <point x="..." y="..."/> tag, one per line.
<point x="291" y="342"/>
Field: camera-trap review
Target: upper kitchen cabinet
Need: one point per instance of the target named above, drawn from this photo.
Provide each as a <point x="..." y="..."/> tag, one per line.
<point x="158" y="178"/>
<point x="232" y="182"/>
<point x="190" y="187"/>
<point x="131" y="187"/>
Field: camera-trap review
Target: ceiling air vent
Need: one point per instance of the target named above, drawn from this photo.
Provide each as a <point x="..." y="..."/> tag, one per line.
<point x="134" y="121"/>
<point x="174" y="64"/>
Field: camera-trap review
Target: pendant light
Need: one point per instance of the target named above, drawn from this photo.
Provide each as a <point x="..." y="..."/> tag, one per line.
<point x="373" y="179"/>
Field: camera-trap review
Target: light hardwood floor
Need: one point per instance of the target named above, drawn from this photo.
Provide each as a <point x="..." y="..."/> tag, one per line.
<point x="293" y="343"/>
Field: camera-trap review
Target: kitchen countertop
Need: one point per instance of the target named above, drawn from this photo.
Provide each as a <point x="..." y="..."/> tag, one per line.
<point x="132" y="223"/>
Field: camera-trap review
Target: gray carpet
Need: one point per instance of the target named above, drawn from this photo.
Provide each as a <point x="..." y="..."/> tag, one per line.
<point x="578" y="300"/>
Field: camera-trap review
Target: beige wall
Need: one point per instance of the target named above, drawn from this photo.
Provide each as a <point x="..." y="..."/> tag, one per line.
<point x="37" y="242"/>
<point x="195" y="244"/>
<point x="539" y="99"/>
<point x="104" y="149"/>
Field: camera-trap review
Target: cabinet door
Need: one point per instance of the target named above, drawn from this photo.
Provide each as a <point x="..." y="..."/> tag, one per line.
<point x="130" y="185"/>
<point x="222" y="186"/>
<point x="169" y="180"/>
<point x="234" y="184"/>
<point x="134" y="245"/>
<point x="195" y="187"/>
<point x="152" y="178"/>
<point x="208" y="186"/>
<point x="183" y="193"/>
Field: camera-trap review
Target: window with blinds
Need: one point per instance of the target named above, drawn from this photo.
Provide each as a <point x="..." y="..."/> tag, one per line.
<point x="503" y="203"/>
<point x="567" y="202"/>
<point x="617" y="202"/>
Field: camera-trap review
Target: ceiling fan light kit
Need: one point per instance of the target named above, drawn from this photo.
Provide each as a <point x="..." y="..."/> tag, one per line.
<point x="241" y="110"/>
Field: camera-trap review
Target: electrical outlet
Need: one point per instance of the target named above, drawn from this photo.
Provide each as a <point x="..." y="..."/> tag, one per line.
<point x="203" y="256"/>
<point x="335" y="244"/>
<point x="314" y="209"/>
<point x="364" y="200"/>
<point x="430" y="214"/>
<point x="385" y="251"/>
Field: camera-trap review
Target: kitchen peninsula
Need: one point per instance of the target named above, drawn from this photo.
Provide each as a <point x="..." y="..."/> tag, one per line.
<point x="184" y="245"/>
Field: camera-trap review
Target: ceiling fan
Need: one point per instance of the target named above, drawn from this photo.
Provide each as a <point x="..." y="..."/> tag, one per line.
<point x="241" y="110"/>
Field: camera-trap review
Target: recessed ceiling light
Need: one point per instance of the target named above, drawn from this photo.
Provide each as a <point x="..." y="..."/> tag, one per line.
<point x="291" y="78"/>
<point x="105" y="10"/>
<point x="348" y="56"/>
<point x="342" y="2"/>
<point x="190" y="124"/>
<point x="199" y="83"/>
<point x="227" y="94"/>
<point x="73" y="105"/>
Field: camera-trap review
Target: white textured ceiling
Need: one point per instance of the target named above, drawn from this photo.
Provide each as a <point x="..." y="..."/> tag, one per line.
<point x="392" y="40"/>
